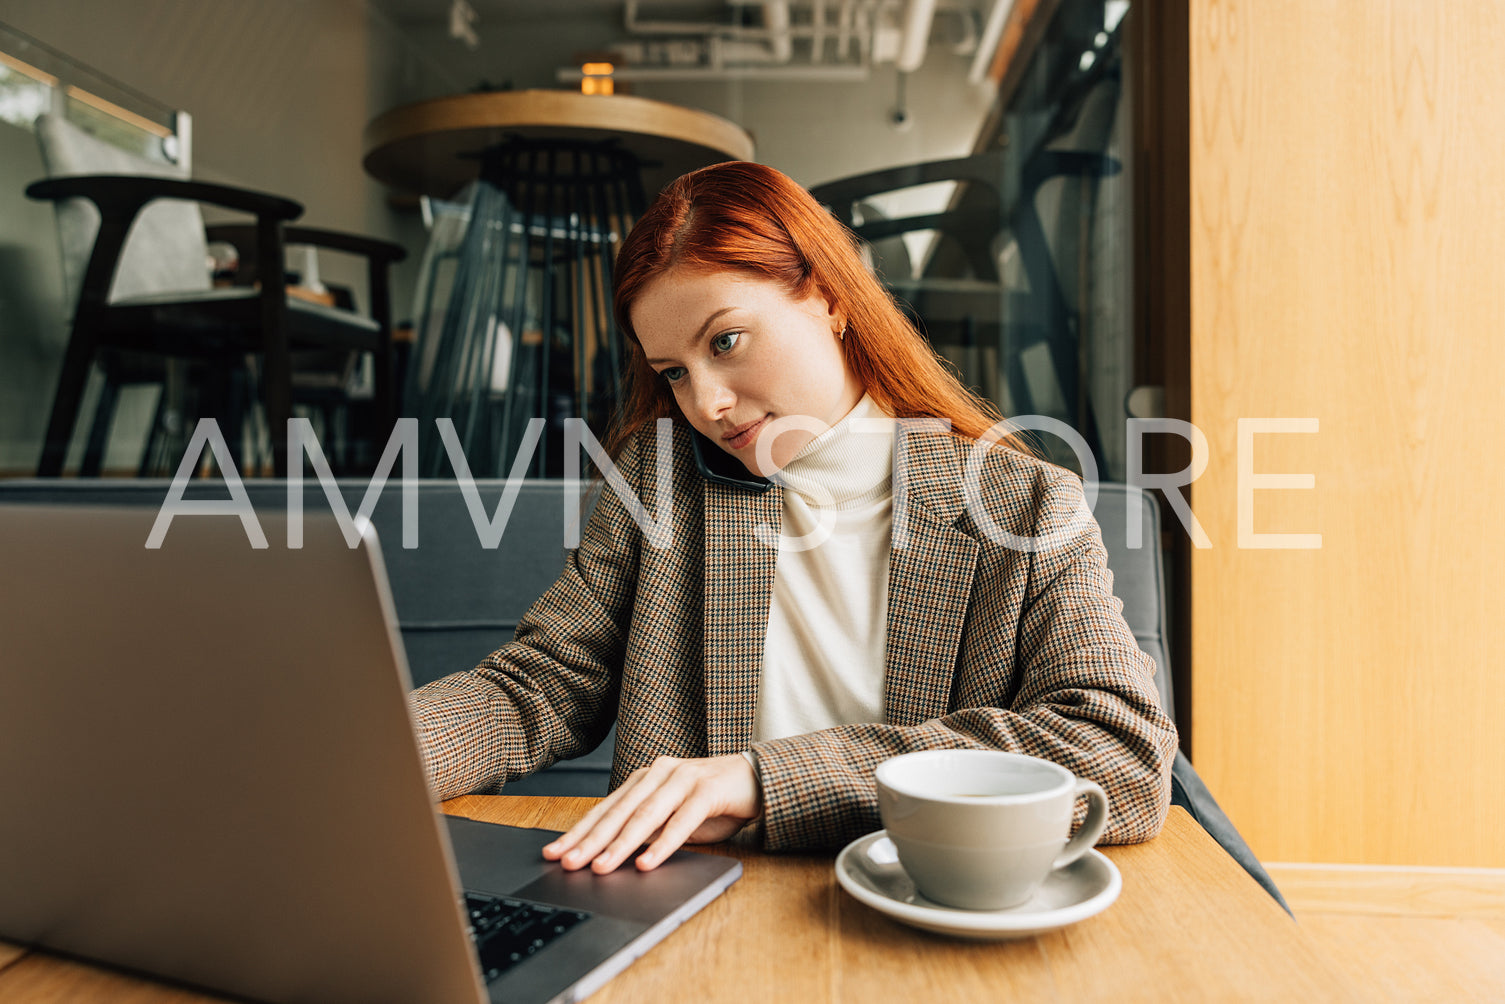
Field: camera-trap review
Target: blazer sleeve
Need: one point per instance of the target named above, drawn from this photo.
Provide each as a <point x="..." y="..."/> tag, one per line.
<point x="1078" y="691"/>
<point x="551" y="693"/>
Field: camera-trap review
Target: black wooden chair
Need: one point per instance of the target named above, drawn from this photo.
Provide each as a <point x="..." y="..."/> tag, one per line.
<point x="322" y="378"/>
<point x="133" y="318"/>
<point x="960" y="300"/>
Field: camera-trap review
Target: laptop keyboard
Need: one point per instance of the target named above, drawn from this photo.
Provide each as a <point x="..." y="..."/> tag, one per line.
<point x="507" y="931"/>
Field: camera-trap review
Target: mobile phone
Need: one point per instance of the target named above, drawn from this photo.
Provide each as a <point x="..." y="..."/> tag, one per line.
<point x="720" y="467"/>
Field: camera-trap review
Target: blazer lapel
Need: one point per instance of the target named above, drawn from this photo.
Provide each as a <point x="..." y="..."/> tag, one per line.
<point x="929" y="579"/>
<point x="738" y="590"/>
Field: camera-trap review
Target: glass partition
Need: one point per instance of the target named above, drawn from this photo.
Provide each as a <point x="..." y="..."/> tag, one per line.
<point x="36" y="79"/>
<point x="1017" y="265"/>
<point x="1044" y="323"/>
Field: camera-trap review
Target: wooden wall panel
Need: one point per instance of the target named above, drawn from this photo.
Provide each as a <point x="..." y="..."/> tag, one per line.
<point x="1348" y="264"/>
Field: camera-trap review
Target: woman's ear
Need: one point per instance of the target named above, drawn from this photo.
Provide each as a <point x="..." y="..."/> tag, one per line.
<point x="837" y="315"/>
<point x="834" y="310"/>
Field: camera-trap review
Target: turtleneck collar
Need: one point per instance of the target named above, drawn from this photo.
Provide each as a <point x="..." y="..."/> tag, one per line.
<point x="847" y="466"/>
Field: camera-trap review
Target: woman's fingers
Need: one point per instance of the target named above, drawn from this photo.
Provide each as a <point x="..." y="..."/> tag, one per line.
<point x="676" y="794"/>
<point x="727" y="796"/>
<point x="668" y="803"/>
<point x="587" y="838"/>
<point x="571" y="838"/>
<point x="685" y="821"/>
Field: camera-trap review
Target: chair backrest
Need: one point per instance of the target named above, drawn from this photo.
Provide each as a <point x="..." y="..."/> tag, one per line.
<point x="1139" y="578"/>
<point x="971" y="232"/>
<point x="166" y="251"/>
<point x="447" y="222"/>
<point x="1065" y="202"/>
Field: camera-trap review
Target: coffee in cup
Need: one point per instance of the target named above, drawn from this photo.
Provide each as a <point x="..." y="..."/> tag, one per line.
<point x="982" y="829"/>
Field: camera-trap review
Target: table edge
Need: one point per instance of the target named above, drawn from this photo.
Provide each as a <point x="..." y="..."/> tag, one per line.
<point x="538" y="107"/>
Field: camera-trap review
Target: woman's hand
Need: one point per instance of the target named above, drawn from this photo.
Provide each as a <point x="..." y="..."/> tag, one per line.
<point x="671" y="802"/>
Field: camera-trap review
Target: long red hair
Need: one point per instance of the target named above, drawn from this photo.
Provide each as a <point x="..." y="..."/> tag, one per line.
<point x="740" y="216"/>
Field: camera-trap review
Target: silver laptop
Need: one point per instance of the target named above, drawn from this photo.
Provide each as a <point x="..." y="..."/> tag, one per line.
<point x="208" y="774"/>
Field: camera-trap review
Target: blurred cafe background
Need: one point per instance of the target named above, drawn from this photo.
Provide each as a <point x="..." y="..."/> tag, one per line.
<point x="1099" y="211"/>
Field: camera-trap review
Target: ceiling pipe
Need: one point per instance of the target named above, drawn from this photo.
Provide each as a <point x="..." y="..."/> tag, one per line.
<point x="967" y="44"/>
<point x="776" y="20"/>
<point x="848" y="73"/>
<point x="918" y="15"/>
<point x="736" y="50"/>
<point x="637" y="26"/>
<point x="987" y="48"/>
<point x="777" y="47"/>
<point x="777" y="26"/>
<point x="844" y="19"/>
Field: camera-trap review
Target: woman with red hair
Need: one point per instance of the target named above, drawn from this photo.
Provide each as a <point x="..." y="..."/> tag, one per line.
<point x="843" y="563"/>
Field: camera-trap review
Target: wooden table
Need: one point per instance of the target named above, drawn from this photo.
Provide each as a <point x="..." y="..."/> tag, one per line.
<point x="524" y="328"/>
<point x="430" y="147"/>
<point x="1190" y="925"/>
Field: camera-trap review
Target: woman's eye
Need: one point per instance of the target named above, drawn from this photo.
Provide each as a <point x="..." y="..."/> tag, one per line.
<point x="673" y="374"/>
<point x="725" y="341"/>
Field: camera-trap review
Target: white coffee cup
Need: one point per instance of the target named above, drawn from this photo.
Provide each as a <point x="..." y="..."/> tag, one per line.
<point x="982" y="829"/>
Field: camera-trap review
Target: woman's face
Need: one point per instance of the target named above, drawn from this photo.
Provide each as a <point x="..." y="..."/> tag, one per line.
<point x="740" y="353"/>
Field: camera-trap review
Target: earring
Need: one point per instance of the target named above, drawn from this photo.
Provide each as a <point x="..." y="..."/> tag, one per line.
<point x="842" y="335"/>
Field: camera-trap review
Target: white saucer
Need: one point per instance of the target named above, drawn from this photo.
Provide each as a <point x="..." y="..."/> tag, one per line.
<point x="869" y="869"/>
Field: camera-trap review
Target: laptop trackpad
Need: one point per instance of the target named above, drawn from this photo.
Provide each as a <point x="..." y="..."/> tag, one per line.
<point x="508" y="861"/>
<point x="497" y="859"/>
<point x="626" y="893"/>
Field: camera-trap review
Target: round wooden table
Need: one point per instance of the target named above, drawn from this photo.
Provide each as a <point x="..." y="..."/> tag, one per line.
<point x="434" y="147"/>
<point x="524" y="330"/>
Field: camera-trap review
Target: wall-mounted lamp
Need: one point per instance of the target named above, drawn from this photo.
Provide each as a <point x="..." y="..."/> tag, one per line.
<point x="596" y="78"/>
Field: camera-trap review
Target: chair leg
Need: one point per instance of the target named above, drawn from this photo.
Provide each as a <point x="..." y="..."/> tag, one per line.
<point x="277" y="366"/>
<point x="384" y="403"/>
<point x="340" y="445"/>
<point x="277" y="402"/>
<point x="99" y="429"/>
<point x="65" y="403"/>
<point x="154" y="436"/>
<point x="384" y="359"/>
<point x="237" y="393"/>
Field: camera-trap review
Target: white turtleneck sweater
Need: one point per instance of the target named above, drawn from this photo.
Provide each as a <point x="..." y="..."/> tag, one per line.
<point x="824" y="650"/>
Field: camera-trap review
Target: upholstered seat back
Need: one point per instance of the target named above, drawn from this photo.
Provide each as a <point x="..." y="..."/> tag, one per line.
<point x="166" y="251"/>
<point x="1138" y="573"/>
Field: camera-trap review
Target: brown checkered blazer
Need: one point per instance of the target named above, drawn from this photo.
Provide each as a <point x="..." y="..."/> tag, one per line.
<point x="988" y="647"/>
